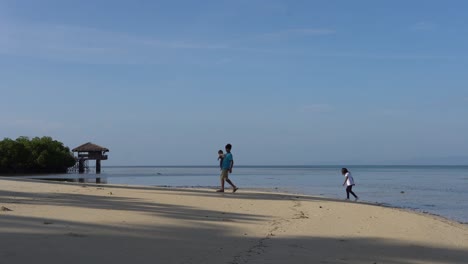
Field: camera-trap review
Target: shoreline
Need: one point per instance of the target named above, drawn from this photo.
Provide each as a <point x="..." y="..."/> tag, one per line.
<point x="404" y="191"/>
<point x="272" y="191"/>
<point x="259" y="190"/>
<point x="81" y="222"/>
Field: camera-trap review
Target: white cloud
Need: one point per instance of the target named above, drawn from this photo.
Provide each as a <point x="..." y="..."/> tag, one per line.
<point x="94" y="46"/>
<point x="89" y="45"/>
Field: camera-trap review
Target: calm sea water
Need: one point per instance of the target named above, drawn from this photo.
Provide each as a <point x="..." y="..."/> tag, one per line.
<point x="441" y="190"/>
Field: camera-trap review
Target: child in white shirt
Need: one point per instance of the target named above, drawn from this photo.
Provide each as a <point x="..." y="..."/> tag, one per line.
<point x="349" y="181"/>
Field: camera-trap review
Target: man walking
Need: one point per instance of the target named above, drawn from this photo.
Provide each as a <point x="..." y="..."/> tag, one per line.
<point x="226" y="168"/>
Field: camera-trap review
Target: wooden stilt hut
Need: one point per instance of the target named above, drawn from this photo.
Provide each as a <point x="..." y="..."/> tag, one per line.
<point x="90" y="151"/>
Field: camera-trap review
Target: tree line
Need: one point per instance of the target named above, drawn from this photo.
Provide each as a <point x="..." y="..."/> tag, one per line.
<point x="36" y="155"/>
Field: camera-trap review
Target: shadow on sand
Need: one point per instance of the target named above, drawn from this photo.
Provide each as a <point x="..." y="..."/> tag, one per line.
<point x="44" y="240"/>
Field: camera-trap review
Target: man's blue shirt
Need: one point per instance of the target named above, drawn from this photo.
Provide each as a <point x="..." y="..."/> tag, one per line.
<point x="227" y="161"/>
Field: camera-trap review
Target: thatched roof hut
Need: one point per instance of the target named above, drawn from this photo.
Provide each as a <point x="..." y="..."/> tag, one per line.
<point x="90" y="151"/>
<point x="90" y="147"/>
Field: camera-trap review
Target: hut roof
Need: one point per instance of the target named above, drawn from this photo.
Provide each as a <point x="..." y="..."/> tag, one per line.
<point x="90" y="147"/>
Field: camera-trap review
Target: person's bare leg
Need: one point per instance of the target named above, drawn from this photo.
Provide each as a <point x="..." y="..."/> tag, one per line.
<point x="234" y="187"/>
<point x="222" y="186"/>
<point x="230" y="183"/>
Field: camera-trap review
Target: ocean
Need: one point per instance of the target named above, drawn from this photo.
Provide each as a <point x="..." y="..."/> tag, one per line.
<point x="439" y="190"/>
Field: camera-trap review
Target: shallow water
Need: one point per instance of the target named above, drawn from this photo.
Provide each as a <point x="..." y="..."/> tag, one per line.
<point x="440" y="190"/>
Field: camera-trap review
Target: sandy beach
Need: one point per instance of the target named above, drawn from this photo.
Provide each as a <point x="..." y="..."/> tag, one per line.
<point x="48" y="222"/>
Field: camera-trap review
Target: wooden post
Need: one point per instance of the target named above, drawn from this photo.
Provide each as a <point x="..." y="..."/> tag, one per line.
<point x="81" y="166"/>
<point x="98" y="166"/>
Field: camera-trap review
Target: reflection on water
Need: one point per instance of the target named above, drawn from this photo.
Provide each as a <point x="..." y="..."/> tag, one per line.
<point x="82" y="178"/>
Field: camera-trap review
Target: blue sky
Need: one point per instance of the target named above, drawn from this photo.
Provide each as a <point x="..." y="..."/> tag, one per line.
<point x="286" y="82"/>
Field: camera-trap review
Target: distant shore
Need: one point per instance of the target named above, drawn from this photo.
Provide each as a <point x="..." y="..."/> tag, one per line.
<point x="54" y="222"/>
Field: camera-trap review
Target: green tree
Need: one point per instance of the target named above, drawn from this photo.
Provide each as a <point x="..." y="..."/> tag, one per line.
<point x="36" y="155"/>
